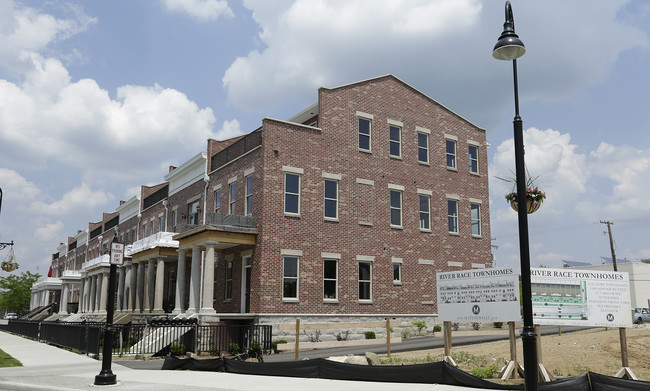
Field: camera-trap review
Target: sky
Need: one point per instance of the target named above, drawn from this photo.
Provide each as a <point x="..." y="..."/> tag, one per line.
<point x="100" y="97"/>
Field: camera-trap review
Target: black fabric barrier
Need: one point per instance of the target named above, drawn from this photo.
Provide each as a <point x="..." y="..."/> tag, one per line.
<point x="610" y="383"/>
<point x="431" y="373"/>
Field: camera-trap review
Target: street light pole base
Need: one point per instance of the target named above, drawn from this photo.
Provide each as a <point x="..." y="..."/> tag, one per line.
<point x="105" y="378"/>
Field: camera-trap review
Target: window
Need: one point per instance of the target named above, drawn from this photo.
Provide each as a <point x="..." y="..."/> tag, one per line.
<point x="133" y="235"/>
<point x="161" y="224"/>
<point x="425" y="212"/>
<point x="423" y="147"/>
<point x="451" y="153"/>
<point x="228" y="293"/>
<point x="365" y="281"/>
<point x="331" y="199"/>
<point x="153" y="231"/>
<point x="291" y="193"/>
<point x="395" y="148"/>
<point x="144" y="230"/>
<point x="476" y="219"/>
<point x="452" y="215"/>
<point x="249" y="195"/>
<point x="364" y="134"/>
<point x="330" y="279"/>
<point x="397" y="273"/>
<point x="217" y="201"/>
<point x="174" y="220"/>
<point x="473" y="159"/>
<point x="233" y="198"/>
<point x="193" y="213"/>
<point x="290" y="278"/>
<point x="395" y="208"/>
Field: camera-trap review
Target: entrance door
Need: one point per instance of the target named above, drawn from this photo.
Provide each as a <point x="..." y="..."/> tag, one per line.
<point x="246" y="285"/>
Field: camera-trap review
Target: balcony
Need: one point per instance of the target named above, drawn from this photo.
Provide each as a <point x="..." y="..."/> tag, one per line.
<point x="237" y="149"/>
<point x="231" y="223"/>
<point x="160" y="239"/>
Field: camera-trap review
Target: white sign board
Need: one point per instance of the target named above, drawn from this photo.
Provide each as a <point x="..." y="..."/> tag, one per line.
<point x="580" y="297"/>
<point x="117" y="253"/>
<point x="479" y="295"/>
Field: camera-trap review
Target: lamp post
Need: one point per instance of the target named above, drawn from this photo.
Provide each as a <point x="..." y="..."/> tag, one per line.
<point x="509" y="48"/>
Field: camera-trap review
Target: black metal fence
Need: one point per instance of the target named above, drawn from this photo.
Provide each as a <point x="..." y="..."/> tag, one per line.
<point x="147" y="339"/>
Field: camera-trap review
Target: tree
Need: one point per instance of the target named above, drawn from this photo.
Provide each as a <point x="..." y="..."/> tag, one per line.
<point x="16" y="291"/>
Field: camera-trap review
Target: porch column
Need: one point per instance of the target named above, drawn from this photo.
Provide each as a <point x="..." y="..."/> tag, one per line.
<point x="148" y="305"/>
<point x="87" y="295"/>
<point x="128" y="289"/>
<point x="160" y="283"/>
<point x="195" y="280"/>
<point x="31" y="300"/>
<point x="93" y="294"/>
<point x="208" y="280"/>
<point x="63" y="307"/>
<point x="81" y="295"/>
<point x="180" y="282"/>
<point x="104" y="292"/>
<point x="120" y="288"/>
<point x="139" y="291"/>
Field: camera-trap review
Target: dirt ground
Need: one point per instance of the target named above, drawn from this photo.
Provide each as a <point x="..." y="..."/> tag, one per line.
<point x="597" y="350"/>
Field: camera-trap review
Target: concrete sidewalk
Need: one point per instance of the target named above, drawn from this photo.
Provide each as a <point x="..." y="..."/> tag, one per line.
<point x="47" y="367"/>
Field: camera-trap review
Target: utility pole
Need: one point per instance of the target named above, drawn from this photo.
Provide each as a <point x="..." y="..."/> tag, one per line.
<point x="611" y="241"/>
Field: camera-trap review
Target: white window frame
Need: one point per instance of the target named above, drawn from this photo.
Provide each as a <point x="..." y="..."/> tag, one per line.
<point x="217" y="200"/>
<point x="335" y="299"/>
<point x="296" y="278"/>
<point x="400" y="190"/>
<point x="248" y="200"/>
<point x="427" y="195"/>
<point x="335" y="200"/>
<point x="475" y="145"/>
<point x="369" y="282"/>
<point x="398" y="126"/>
<point x="369" y="118"/>
<point x="189" y="210"/>
<point x="232" y="197"/>
<point x="397" y="262"/>
<point x="477" y="220"/>
<point x="227" y="294"/>
<point x="292" y="171"/>
<point x="174" y="220"/>
<point x="426" y="133"/>
<point x="454" y="155"/>
<point x="453" y="217"/>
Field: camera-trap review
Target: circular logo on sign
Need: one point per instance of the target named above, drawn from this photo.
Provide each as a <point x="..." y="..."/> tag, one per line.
<point x="610" y="317"/>
<point x="476" y="309"/>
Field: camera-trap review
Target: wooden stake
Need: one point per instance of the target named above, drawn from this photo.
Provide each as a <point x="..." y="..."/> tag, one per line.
<point x="297" y="339"/>
<point x="447" y="333"/>
<point x="388" y="337"/>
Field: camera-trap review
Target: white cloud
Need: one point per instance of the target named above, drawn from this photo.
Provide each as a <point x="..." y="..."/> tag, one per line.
<point x="202" y="10"/>
<point x="78" y="201"/>
<point x="229" y="129"/>
<point x="50" y="232"/>
<point x="16" y="187"/>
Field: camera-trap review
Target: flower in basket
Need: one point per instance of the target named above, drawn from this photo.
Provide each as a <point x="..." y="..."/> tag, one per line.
<point x="533" y="195"/>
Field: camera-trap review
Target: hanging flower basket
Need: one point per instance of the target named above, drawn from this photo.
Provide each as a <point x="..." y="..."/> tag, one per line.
<point x="8" y="264"/>
<point x="534" y="199"/>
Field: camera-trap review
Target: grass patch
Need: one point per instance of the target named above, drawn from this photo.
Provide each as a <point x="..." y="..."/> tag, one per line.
<point x="485" y="367"/>
<point x="7" y="361"/>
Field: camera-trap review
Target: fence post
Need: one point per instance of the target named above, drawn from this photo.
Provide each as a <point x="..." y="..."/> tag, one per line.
<point x="388" y="337"/>
<point x="297" y="348"/>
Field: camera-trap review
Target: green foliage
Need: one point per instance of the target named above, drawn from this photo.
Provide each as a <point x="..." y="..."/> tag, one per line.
<point x="233" y="348"/>
<point x="274" y="345"/>
<point x="370" y="335"/>
<point x="406" y="332"/>
<point x="409" y="361"/>
<point x="437" y="328"/>
<point x="420" y="324"/>
<point x="15" y="291"/>
<point x="486" y="372"/>
<point x="7" y="361"/>
<point x="177" y="349"/>
<point x="255" y="349"/>
<point x="497" y="325"/>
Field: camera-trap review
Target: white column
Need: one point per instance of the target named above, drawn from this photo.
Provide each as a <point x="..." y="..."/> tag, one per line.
<point x="208" y="280"/>
<point x="128" y="289"/>
<point x="139" y="295"/>
<point x="63" y="306"/>
<point x="195" y="280"/>
<point x="120" y="288"/>
<point x="148" y="305"/>
<point x="103" y="298"/>
<point x="180" y="282"/>
<point x="81" y="295"/>
<point x="93" y="294"/>
<point x="158" y="289"/>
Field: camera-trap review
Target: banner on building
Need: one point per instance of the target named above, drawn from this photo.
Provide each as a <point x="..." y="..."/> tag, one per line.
<point x="479" y="295"/>
<point x="580" y="297"/>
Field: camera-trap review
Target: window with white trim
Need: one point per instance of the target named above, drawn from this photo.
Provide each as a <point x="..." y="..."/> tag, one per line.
<point x="397" y="273"/>
<point x="473" y="159"/>
<point x="228" y="283"/>
<point x="192" y="213"/>
<point x="452" y="215"/>
<point x="290" y="278"/>
<point x="174" y="220"/>
<point x="450" y="148"/>
<point x="233" y="198"/>
<point x="331" y="202"/>
<point x="395" y="135"/>
<point x="291" y="193"/>
<point x="364" y="134"/>
<point x="476" y="219"/>
<point x="161" y="224"/>
<point x="425" y="212"/>
<point x="217" y="201"/>
<point x="249" y="195"/>
<point x="395" y="208"/>
<point x="330" y="279"/>
<point x="423" y="147"/>
<point x="365" y="281"/>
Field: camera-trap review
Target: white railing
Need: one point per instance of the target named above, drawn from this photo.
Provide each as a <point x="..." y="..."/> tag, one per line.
<point x="160" y="239"/>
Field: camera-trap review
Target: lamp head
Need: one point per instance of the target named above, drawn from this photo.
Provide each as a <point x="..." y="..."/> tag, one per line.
<point x="509" y="46"/>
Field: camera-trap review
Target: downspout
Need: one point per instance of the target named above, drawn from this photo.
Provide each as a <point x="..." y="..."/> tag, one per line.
<point x="166" y="205"/>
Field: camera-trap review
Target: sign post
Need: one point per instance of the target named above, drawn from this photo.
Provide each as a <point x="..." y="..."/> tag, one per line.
<point x="106" y="377"/>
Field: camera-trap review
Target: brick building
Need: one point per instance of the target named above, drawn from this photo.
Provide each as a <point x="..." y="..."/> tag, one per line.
<point x="346" y="210"/>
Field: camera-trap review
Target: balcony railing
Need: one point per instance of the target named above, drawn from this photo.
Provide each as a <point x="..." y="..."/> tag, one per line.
<point x="246" y="144"/>
<point x="160" y="239"/>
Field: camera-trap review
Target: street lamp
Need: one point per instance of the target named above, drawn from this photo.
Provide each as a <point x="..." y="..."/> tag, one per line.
<point x="509" y="47"/>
